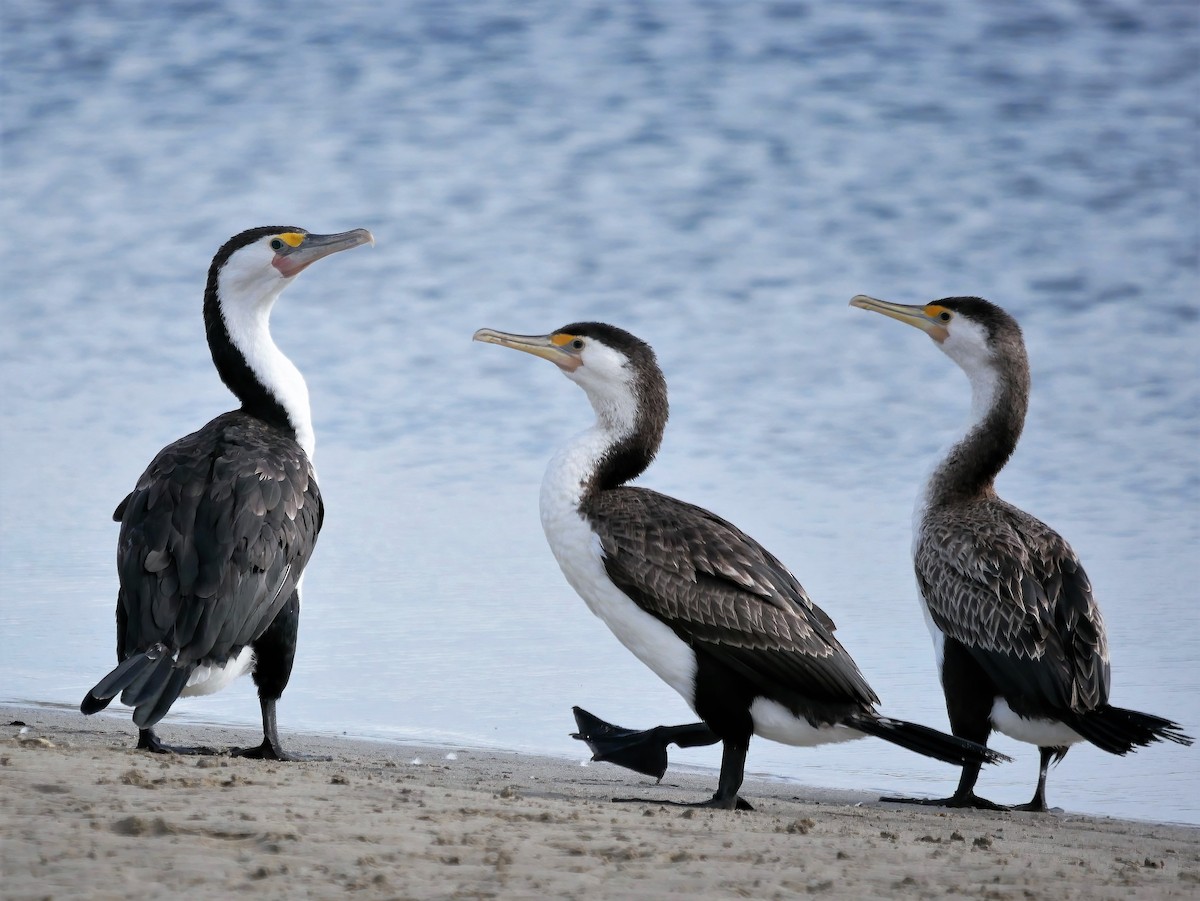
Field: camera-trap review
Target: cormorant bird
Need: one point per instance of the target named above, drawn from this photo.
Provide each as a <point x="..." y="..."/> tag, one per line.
<point x="215" y="537"/>
<point x="1018" y="636"/>
<point x="700" y="602"/>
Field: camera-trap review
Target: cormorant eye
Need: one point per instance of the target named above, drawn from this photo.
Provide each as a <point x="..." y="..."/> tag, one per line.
<point x="944" y="316"/>
<point x="276" y="244"/>
<point x="577" y="344"/>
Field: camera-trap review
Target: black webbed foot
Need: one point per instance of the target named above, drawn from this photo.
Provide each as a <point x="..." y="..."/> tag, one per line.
<point x="968" y="800"/>
<point x="643" y="751"/>
<point x="270" y="750"/>
<point x="1036" y="807"/>
<point x="271" y="747"/>
<point x="148" y="741"/>
<point x="713" y="803"/>
<point x="640" y="751"/>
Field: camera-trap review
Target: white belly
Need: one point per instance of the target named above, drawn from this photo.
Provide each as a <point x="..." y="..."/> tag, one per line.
<point x="774" y="721"/>
<point x="580" y="557"/>
<point x="1040" y="732"/>
<point x="578" y="552"/>
<point x="207" y="680"/>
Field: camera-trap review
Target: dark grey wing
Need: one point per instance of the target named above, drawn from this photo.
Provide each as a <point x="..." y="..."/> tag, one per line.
<point x="214" y="538"/>
<point x="1011" y="590"/>
<point x="722" y="592"/>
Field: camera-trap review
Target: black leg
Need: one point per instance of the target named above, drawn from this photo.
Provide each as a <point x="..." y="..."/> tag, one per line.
<point x="1038" y="803"/>
<point x="733" y="766"/>
<point x="964" y="795"/>
<point x="969" y="698"/>
<point x="271" y="747"/>
<point x="733" y="771"/>
<point x="274" y="654"/>
<point x="722" y="699"/>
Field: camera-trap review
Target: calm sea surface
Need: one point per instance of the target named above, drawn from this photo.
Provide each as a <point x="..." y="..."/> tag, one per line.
<point x="719" y="178"/>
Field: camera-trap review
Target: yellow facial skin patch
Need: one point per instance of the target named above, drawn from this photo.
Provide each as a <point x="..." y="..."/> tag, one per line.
<point x="561" y="340"/>
<point x="292" y="239"/>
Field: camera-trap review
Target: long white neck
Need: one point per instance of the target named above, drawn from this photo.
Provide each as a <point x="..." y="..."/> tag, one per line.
<point x="568" y="475"/>
<point x="249" y="329"/>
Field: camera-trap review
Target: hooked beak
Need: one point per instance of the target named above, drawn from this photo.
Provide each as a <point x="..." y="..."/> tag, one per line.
<point x="554" y="347"/>
<point x="913" y="315"/>
<point x="291" y="262"/>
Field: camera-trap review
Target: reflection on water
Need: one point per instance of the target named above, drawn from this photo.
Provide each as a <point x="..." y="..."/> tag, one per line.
<point x="718" y="178"/>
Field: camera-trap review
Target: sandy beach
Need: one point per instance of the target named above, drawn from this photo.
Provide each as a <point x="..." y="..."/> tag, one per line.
<point x="84" y="815"/>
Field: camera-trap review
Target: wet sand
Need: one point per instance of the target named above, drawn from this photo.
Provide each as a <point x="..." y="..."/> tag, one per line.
<point x="84" y="815"/>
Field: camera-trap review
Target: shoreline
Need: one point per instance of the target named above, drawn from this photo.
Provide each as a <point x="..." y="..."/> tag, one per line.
<point x="85" y="815"/>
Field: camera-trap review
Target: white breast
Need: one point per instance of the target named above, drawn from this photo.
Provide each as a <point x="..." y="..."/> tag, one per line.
<point x="577" y="550"/>
<point x="581" y="558"/>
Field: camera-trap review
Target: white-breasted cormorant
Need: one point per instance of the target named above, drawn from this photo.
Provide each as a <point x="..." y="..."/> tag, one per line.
<point x="701" y="603"/>
<point x="215" y="537"/>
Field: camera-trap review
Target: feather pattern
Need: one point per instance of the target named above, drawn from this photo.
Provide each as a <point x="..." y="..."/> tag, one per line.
<point x="1011" y="590"/>
<point x="214" y="538"/>
<point x="722" y="592"/>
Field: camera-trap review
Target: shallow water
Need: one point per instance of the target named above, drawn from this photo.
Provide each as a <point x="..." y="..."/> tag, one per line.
<point x="719" y="179"/>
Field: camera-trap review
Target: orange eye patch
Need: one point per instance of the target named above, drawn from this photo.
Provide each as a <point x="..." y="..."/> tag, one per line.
<point x="292" y="239"/>
<point x="936" y="311"/>
<point x="561" y="340"/>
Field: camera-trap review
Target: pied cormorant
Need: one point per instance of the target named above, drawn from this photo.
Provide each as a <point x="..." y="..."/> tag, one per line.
<point x="215" y="536"/>
<point x="701" y="603"/>
<point x="1018" y="636"/>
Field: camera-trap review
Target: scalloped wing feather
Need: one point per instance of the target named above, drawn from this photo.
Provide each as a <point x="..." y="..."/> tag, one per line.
<point x="1009" y="588"/>
<point x="214" y="538"/>
<point x="719" y="589"/>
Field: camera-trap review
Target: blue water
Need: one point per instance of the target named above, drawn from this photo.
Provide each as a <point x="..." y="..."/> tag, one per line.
<point x="720" y="179"/>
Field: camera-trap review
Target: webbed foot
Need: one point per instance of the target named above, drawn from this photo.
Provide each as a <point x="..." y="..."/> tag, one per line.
<point x="641" y="750"/>
<point x="270" y="750"/>
<point x="148" y="741"/>
<point x="968" y="800"/>
<point x="713" y="803"/>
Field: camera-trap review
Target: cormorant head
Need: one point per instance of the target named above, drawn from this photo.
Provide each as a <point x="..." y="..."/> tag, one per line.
<point x="617" y="370"/>
<point x="260" y="262"/>
<point x="973" y="332"/>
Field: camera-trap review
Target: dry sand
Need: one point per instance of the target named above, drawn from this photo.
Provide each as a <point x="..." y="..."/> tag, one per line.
<point x="82" y="815"/>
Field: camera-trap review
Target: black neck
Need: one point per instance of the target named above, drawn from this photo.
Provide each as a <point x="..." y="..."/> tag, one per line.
<point x="970" y="468"/>
<point x="625" y="460"/>
<point x="235" y="372"/>
<point x="629" y="456"/>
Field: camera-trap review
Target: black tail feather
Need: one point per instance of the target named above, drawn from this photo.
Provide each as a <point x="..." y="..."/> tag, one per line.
<point x="125" y="674"/>
<point x="149" y="682"/>
<point x="923" y="740"/>
<point x="1119" y="731"/>
<point x="150" y="712"/>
